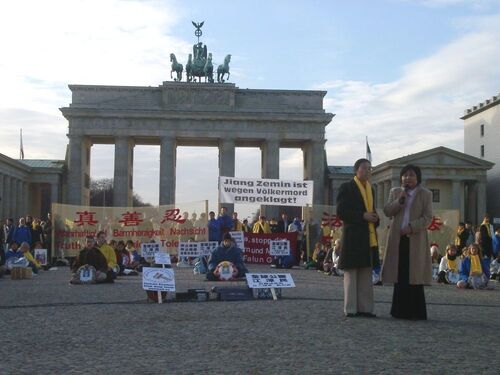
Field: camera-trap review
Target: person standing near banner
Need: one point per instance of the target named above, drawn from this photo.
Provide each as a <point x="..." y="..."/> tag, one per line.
<point x="356" y="208"/>
<point x="407" y="261"/>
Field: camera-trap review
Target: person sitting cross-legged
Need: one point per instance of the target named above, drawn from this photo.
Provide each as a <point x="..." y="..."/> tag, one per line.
<point x="33" y="263"/>
<point x="108" y="252"/>
<point x="474" y="270"/>
<point x="449" y="265"/>
<point x="227" y="252"/>
<point x="91" y="256"/>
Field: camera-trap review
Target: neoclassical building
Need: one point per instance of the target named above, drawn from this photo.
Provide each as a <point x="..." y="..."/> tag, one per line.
<point x="482" y="140"/>
<point x="28" y="187"/>
<point x="457" y="180"/>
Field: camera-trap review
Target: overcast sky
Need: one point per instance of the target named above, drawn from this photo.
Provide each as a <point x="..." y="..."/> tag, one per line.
<point x="398" y="71"/>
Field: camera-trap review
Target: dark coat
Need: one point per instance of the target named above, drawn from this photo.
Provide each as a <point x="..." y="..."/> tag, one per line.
<point x="282" y="227"/>
<point x="356" y="250"/>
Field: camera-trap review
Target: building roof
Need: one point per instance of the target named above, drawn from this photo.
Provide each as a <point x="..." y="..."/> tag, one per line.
<point x="42" y="163"/>
<point x="422" y="158"/>
<point x="489" y="103"/>
<point x="342" y="169"/>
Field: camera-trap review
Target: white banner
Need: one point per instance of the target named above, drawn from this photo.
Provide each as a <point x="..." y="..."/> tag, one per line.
<point x="269" y="280"/>
<point x="162" y="258"/>
<point x="148" y="250"/>
<point x="158" y="279"/>
<point x="265" y="191"/>
<point x="279" y="248"/>
<point x="206" y="248"/>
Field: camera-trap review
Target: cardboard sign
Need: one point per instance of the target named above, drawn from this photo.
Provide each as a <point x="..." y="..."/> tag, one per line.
<point x="189" y="249"/>
<point x="162" y="258"/>
<point x="269" y="280"/>
<point x="279" y="248"/>
<point x="239" y="239"/>
<point x="158" y="279"/>
<point x="148" y="250"/>
<point x="206" y="248"/>
<point x="41" y="256"/>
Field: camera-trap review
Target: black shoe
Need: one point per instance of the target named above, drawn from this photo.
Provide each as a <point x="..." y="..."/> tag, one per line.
<point x="350" y="315"/>
<point x="366" y="315"/>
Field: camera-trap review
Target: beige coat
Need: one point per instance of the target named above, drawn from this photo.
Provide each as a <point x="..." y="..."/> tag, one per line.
<point x="420" y="218"/>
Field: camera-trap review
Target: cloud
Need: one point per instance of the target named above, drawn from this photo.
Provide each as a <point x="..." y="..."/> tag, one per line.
<point x="422" y="108"/>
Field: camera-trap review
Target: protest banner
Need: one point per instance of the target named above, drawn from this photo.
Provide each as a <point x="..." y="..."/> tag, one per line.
<point x="162" y="258"/>
<point x="269" y="280"/>
<point x="166" y="225"/>
<point x="256" y="249"/>
<point x="189" y="249"/>
<point x="238" y="238"/>
<point x="279" y="248"/>
<point x="41" y="256"/>
<point x="206" y="248"/>
<point x="158" y="279"/>
<point x="148" y="251"/>
<point x="265" y="191"/>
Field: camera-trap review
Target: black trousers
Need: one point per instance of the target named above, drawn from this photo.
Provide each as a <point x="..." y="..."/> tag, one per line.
<point x="408" y="301"/>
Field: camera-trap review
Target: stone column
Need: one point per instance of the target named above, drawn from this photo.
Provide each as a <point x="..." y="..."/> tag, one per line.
<point x="481" y="201"/>
<point x="19" y="198"/>
<point x="26" y="200"/>
<point x="380" y="195"/>
<point x="270" y="168"/>
<point x="387" y="190"/>
<point x="78" y="170"/>
<point x="122" y="182"/>
<point x="395" y="182"/>
<point x="226" y="165"/>
<point x="455" y="196"/>
<point x="314" y="168"/>
<point x="7" y="200"/>
<point x="54" y="195"/>
<point x="168" y="154"/>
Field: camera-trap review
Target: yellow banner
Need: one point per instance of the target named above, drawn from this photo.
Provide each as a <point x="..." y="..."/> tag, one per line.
<point x="166" y="225"/>
<point x="321" y="220"/>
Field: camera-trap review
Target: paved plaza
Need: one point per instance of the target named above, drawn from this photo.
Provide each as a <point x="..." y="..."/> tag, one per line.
<point x="50" y="327"/>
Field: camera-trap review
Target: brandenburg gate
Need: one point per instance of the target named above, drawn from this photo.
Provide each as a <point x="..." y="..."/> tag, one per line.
<point x="191" y="114"/>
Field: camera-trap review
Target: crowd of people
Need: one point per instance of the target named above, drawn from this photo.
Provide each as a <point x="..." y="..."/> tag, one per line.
<point x="19" y="240"/>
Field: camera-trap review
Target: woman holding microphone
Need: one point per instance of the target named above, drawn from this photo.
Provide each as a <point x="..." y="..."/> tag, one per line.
<point x="407" y="261"/>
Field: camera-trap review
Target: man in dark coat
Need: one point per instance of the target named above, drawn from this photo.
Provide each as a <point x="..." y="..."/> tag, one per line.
<point x="356" y="208"/>
<point x="283" y="224"/>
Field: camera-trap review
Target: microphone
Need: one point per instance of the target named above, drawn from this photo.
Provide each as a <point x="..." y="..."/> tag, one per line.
<point x="403" y="199"/>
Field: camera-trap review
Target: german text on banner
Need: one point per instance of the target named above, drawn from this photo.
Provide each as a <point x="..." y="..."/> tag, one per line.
<point x="164" y="225"/>
<point x="265" y="191"/>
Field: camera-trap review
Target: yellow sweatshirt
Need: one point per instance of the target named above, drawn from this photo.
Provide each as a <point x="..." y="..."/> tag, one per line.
<point x="109" y="254"/>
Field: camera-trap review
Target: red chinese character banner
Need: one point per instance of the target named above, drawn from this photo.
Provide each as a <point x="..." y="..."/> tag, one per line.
<point x="166" y="225"/>
<point x="322" y="225"/>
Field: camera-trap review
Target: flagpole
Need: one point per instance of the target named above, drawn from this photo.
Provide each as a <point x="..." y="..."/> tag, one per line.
<point x="21" y="150"/>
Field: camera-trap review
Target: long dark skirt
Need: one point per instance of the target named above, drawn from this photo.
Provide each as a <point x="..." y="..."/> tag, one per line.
<point x="408" y="301"/>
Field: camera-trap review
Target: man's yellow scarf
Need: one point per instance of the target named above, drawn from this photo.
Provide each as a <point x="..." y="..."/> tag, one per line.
<point x="475" y="266"/>
<point x="452" y="264"/>
<point x="366" y="193"/>
<point x="488" y="228"/>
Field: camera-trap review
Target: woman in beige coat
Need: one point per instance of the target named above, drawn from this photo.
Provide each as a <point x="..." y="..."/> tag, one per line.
<point x="407" y="261"/>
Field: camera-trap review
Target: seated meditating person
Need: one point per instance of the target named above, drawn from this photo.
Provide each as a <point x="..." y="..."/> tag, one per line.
<point x="449" y="266"/>
<point x="12" y="255"/>
<point x="33" y="263"/>
<point x="91" y="256"/>
<point x="474" y="270"/>
<point x="135" y="256"/>
<point x="337" y="248"/>
<point x="227" y="252"/>
<point x="436" y="260"/>
<point x="328" y="262"/>
<point x="318" y="257"/>
<point x="108" y="252"/>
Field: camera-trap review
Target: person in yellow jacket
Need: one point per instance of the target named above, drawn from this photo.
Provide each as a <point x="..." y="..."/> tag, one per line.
<point x="107" y="251"/>
<point x="33" y="263"/>
<point x="261" y="226"/>
<point x="237" y="226"/>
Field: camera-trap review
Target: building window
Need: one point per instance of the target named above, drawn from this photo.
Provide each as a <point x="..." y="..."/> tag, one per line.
<point x="482" y="151"/>
<point x="482" y="130"/>
<point x="435" y="195"/>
